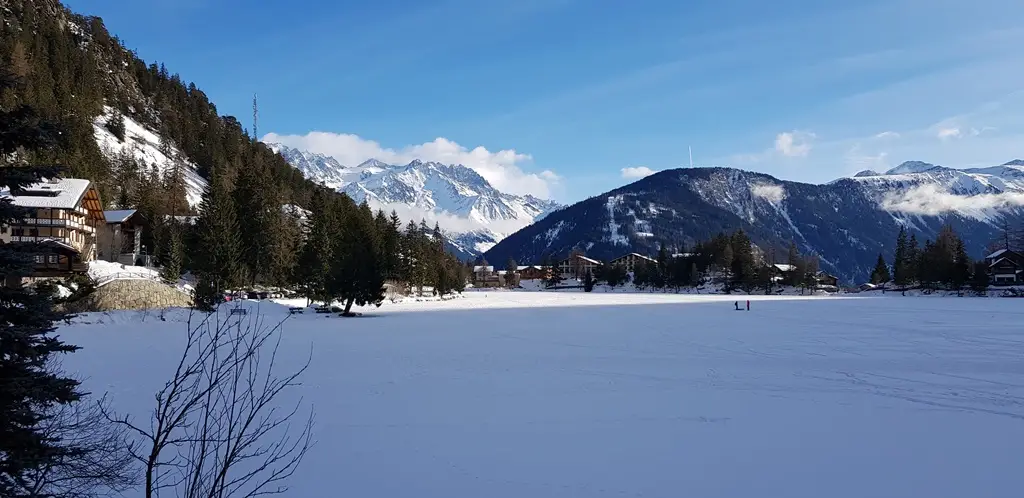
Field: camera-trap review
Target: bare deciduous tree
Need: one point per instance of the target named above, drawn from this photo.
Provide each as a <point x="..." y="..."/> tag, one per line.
<point x="218" y="429"/>
<point x="104" y="465"/>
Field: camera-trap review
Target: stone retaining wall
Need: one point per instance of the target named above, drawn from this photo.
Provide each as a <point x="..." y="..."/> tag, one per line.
<point x="132" y="295"/>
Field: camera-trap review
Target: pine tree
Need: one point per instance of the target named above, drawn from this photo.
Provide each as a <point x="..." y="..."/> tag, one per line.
<point x="880" y="275"/>
<point x="588" y="282"/>
<point x="726" y="263"/>
<point x="795" y="275"/>
<point x="979" y="277"/>
<point x="356" y="276"/>
<point x="662" y="258"/>
<point x="28" y="345"/>
<point x="257" y="201"/>
<point x="171" y="263"/>
<point x="615" y="275"/>
<point x="811" y="268"/>
<point x="901" y="260"/>
<point x="218" y="245"/>
<point x="511" y="268"/>
<point x="317" y="254"/>
<point x="961" y="266"/>
<point x="744" y="271"/>
<point x="913" y="259"/>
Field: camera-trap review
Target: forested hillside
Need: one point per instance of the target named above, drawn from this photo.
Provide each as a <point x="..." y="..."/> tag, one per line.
<point x="70" y="67"/>
<point x="260" y="222"/>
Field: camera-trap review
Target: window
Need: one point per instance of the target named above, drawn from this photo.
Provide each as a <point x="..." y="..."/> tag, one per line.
<point x="40" y="259"/>
<point x="53" y="258"/>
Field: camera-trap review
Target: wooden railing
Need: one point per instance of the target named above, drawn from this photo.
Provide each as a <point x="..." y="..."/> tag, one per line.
<point x="57" y="222"/>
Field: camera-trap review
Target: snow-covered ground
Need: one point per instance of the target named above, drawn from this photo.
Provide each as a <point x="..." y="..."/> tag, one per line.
<point x="536" y="394"/>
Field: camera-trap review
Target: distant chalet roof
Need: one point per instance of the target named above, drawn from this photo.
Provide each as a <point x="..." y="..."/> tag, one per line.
<point x="483" y="268"/>
<point x="641" y="256"/>
<point x="584" y="258"/>
<point x="996" y="254"/>
<point x="65" y="193"/>
<point x="782" y="267"/>
<point x="118" y="216"/>
<point x="1000" y="260"/>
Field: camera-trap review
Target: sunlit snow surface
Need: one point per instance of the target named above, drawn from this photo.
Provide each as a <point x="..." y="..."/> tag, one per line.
<point x="516" y="394"/>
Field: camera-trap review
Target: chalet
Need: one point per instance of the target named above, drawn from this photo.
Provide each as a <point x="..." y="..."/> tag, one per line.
<point x="629" y="261"/>
<point x="576" y="266"/>
<point x="534" y="272"/>
<point x="485" y="276"/>
<point x="781" y="272"/>
<point x="120" y="238"/>
<point x="827" y="281"/>
<point x="508" y="278"/>
<point x="64" y="218"/>
<point x="1005" y="267"/>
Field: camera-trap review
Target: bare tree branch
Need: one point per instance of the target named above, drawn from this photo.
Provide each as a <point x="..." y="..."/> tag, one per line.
<point x="217" y="429"/>
<point x="105" y="466"/>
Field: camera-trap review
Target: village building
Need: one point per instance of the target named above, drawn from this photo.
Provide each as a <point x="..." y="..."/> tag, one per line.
<point x="1005" y="267"/>
<point x="576" y="266"/>
<point x="827" y="281"/>
<point x="781" y="272"/>
<point x="485" y="276"/>
<point x="630" y="261"/>
<point x="120" y="238"/>
<point x="64" y="218"/>
<point x="534" y="272"/>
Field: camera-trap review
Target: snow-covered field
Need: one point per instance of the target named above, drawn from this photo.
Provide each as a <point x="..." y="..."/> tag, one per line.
<point x="517" y="394"/>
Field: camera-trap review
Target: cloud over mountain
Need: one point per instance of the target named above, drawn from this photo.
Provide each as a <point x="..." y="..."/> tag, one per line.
<point x="504" y="168"/>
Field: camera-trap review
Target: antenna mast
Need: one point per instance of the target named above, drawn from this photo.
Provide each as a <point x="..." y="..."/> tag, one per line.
<point x="691" y="155"/>
<point x="255" y="119"/>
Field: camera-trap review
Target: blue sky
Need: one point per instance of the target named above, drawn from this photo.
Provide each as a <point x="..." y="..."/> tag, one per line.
<point x="569" y="98"/>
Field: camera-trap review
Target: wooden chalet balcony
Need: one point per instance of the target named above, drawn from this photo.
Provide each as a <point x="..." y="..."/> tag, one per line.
<point x="39" y="238"/>
<point x="57" y="222"/>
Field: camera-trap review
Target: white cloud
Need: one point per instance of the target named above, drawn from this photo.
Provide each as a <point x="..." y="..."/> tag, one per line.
<point x="930" y="200"/>
<point x="637" y="172"/>
<point x="949" y="133"/>
<point x="771" y="193"/>
<point x="794" y="143"/>
<point x="449" y="221"/>
<point x="503" y="168"/>
<point x="885" y="135"/>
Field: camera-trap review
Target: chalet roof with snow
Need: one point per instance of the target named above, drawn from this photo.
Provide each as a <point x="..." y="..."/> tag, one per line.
<point x="996" y="254"/>
<point x="59" y="194"/>
<point x="118" y="216"/>
<point x="1000" y="260"/>
<point x="582" y="258"/>
<point x="634" y="254"/>
<point x="784" y="268"/>
<point x="60" y="245"/>
<point x="64" y="193"/>
<point x="477" y="269"/>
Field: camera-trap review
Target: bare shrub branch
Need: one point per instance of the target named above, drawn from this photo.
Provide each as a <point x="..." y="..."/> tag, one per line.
<point x="103" y="467"/>
<point x="217" y="429"/>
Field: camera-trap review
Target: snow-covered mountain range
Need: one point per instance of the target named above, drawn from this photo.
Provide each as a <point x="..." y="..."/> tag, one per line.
<point x="466" y="205"/>
<point x="847" y="222"/>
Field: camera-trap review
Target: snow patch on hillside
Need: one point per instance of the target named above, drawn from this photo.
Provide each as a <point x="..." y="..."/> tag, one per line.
<point x="613" y="228"/>
<point x="148" y="148"/>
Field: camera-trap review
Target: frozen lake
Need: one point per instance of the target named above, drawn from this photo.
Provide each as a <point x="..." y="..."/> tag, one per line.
<point x="575" y="395"/>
